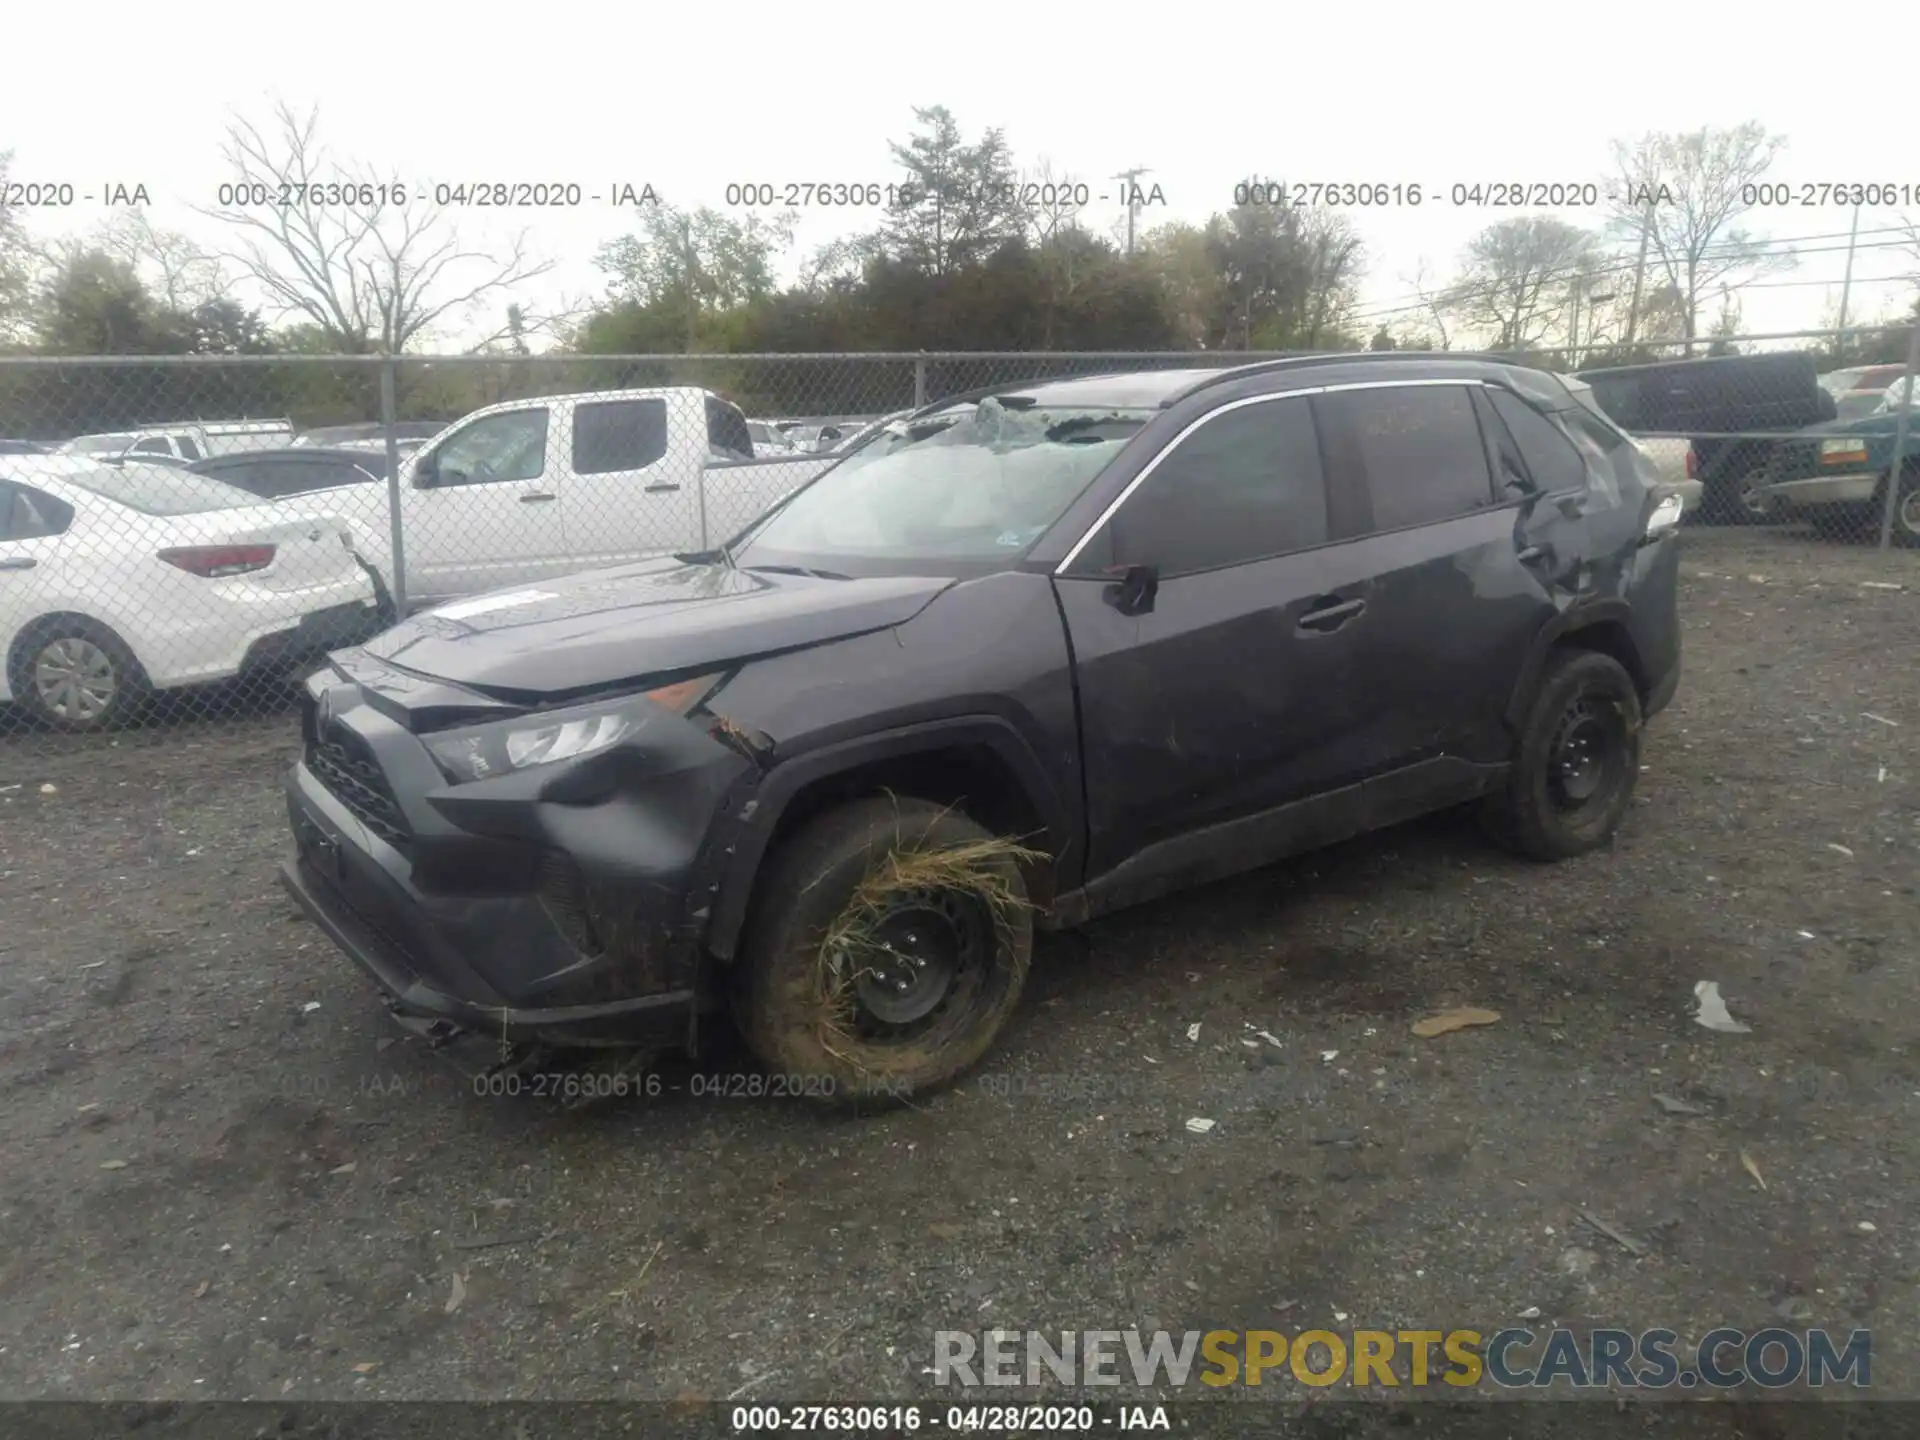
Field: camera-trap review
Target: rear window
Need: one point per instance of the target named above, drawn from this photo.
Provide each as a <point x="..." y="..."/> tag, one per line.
<point x="98" y="444"/>
<point x="157" y="490"/>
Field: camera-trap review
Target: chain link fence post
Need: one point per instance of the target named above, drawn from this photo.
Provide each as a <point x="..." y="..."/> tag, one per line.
<point x="389" y="419"/>
<point x="1900" y="426"/>
<point x="919" y="380"/>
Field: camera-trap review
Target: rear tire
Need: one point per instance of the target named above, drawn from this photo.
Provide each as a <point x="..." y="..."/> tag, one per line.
<point x="1906" y="509"/>
<point x="1576" y="762"/>
<point x="862" y="980"/>
<point x="76" y="675"/>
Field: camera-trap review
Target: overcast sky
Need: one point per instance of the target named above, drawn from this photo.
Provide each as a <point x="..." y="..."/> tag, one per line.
<point x="689" y="100"/>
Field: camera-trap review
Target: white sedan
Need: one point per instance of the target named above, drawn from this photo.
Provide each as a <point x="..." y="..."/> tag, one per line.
<point x="116" y="581"/>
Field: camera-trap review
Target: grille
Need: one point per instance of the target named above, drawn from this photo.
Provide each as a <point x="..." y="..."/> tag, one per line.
<point x="356" y="781"/>
<point x="563" y="890"/>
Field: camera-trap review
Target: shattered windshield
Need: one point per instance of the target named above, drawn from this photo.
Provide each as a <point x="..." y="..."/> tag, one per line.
<point x="978" y="483"/>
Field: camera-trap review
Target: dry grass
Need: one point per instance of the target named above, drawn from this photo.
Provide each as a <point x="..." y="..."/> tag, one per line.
<point x="975" y="868"/>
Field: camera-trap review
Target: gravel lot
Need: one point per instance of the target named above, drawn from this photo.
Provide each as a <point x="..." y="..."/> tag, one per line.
<point x="227" y="1177"/>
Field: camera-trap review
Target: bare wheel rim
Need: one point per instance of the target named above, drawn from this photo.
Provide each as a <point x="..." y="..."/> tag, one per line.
<point x="75" y="679"/>
<point x="920" y="971"/>
<point x="1753" y="495"/>
<point x="1909" y="513"/>
<point x="1586" y="758"/>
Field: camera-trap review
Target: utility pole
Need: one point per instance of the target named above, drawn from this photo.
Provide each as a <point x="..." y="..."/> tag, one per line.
<point x="1128" y="177"/>
<point x="1846" y="287"/>
<point x="1639" y="274"/>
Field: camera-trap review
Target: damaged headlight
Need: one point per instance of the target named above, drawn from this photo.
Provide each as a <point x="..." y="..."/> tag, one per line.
<point x="494" y="750"/>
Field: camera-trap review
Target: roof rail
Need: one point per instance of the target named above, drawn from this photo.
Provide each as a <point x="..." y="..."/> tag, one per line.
<point x="1323" y="357"/>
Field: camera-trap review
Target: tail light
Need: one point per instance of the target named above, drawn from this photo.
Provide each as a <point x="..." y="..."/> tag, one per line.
<point x="212" y="562"/>
<point x="1693" y="464"/>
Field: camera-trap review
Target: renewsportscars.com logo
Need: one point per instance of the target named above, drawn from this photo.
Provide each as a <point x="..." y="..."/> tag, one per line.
<point x="1513" y="1359"/>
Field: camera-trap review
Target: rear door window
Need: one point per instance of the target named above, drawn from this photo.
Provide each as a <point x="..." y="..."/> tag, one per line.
<point x="614" y="435"/>
<point x="1416" y="451"/>
<point x="30" y="514"/>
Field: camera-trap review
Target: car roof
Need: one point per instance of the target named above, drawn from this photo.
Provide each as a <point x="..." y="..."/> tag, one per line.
<point x="1162" y="389"/>
<point x="286" y="452"/>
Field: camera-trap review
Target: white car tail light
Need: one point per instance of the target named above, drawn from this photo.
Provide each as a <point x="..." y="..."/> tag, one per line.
<point x="1665" y="517"/>
<point x="213" y="562"/>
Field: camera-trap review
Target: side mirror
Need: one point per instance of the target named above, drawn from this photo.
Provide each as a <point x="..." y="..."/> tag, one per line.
<point x="426" y="472"/>
<point x="1135" y="591"/>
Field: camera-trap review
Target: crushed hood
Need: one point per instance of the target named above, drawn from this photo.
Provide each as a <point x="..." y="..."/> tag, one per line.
<point x="591" y="631"/>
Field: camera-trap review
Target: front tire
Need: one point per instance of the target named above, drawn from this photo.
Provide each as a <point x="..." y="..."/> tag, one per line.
<point x="77" y="676"/>
<point x="889" y="945"/>
<point x="1576" y="762"/>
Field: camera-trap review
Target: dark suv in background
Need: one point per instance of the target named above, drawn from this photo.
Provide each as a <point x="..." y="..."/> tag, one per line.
<point x="1048" y="650"/>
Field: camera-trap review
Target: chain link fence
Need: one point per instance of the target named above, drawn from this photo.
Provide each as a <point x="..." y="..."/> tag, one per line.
<point x="179" y="536"/>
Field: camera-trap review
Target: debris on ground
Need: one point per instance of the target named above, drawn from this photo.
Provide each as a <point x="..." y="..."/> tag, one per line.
<point x="1329" y="1056"/>
<point x="459" y="1295"/>
<point x="113" y="1164"/>
<point x="309" y="1007"/>
<point x="200" y="1290"/>
<point x="1866" y="1227"/>
<point x="49" y="789"/>
<point x="366" y="1367"/>
<point x="1458" y="1018"/>
<point x="346" y="1169"/>
<point x="946" y="1230"/>
<point x="1613" y="1232"/>
<point x="1864" y="715"/>
<point x="1794" y="1308"/>
<point x="1578" y="1261"/>
<point x="1193" y="1031"/>
<point x="1532" y="1312"/>
<point x="1713" y="1012"/>
<point x="1200" y="1125"/>
<point x="1880" y="585"/>
<point x="1674" y="1106"/>
<point x="1840" y="849"/>
<point x="1748" y="1164"/>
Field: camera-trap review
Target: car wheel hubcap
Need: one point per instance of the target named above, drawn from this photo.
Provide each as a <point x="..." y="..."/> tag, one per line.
<point x="74" y="679"/>
<point x="1753" y="495"/>
<point x="917" y="951"/>
<point x="1910" y="513"/>
<point x="1584" y="755"/>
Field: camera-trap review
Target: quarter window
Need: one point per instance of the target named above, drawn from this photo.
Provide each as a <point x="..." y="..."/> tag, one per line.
<point x="1549" y="455"/>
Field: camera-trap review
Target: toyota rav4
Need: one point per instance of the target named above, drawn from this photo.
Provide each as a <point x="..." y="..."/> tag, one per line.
<point x="1044" y="651"/>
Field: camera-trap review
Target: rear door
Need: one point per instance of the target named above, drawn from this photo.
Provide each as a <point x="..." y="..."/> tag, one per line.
<point x="1450" y="605"/>
<point x="631" y="485"/>
<point x="33" y="526"/>
<point x="492" y="517"/>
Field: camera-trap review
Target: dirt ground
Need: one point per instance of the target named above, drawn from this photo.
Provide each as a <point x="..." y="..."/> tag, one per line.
<point x="226" y="1177"/>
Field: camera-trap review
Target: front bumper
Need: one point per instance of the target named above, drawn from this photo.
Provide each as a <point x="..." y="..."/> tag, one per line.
<point x="500" y="907"/>
<point x="1821" y="490"/>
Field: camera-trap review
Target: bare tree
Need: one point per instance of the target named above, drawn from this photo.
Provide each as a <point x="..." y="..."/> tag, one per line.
<point x="372" y="276"/>
<point x="179" y="273"/>
<point x="1067" y="257"/>
<point x="1686" y="193"/>
<point x="18" y="264"/>
<point x="1516" y="279"/>
<point x="1431" y="311"/>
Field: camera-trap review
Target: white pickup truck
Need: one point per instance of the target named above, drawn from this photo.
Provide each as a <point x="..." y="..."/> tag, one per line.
<point x="530" y="489"/>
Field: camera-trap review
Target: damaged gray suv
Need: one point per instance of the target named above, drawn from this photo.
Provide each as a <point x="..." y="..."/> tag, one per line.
<point x="1032" y="655"/>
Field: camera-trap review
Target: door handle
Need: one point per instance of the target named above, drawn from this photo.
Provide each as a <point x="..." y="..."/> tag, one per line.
<point x="1331" y="613"/>
<point x="662" y="487"/>
<point x="536" y="497"/>
<point x="24" y="562"/>
<point x="1532" y="554"/>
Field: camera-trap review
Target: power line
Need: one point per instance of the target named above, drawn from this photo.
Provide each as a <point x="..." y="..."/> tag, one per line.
<point x="1767" y="249"/>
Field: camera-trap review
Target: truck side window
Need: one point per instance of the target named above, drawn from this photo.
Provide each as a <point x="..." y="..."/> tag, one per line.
<point x="152" y="445"/>
<point x="511" y="446"/>
<point x="614" y="435"/>
<point x="188" y="448"/>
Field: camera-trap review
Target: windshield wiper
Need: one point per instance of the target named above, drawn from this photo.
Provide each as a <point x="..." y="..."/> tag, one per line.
<point x="798" y="570"/>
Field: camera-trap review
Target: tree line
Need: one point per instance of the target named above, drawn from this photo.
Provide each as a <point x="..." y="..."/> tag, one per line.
<point x="955" y="262"/>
